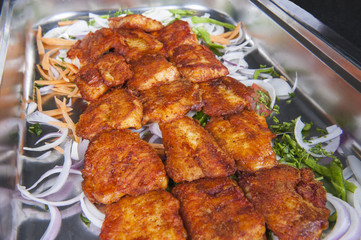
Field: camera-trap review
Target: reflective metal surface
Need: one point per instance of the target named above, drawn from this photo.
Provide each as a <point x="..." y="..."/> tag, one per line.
<point x="329" y="87"/>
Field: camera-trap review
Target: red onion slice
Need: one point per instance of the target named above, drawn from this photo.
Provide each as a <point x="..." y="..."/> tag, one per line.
<point x="54" y="225"/>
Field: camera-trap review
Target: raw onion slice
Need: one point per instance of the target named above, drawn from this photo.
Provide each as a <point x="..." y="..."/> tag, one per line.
<point x="63" y="176"/>
<point x="99" y="22"/>
<point x="154" y="128"/>
<point x="54" y="225"/>
<point x="355" y="165"/>
<point x="32" y="106"/>
<point x="162" y="15"/>
<point x="343" y="221"/>
<point x="331" y="140"/>
<point x="355" y="198"/>
<point x="91" y="212"/>
<point x="27" y="195"/>
<point x="78" y="29"/>
<point x="46" y="89"/>
<point x="61" y="139"/>
<point x="48" y="136"/>
<point x="39" y="117"/>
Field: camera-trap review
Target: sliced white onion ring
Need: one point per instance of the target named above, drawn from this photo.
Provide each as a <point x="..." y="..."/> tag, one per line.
<point x="355" y="165"/>
<point x="57" y="142"/>
<point x="47" y="136"/>
<point x="162" y="15"/>
<point x="32" y="106"/>
<point x="343" y="221"/>
<point x="63" y="176"/>
<point x="54" y="225"/>
<point x="39" y="117"/>
<point x="154" y="128"/>
<point x="27" y="195"/>
<point x="283" y="89"/>
<point x="331" y="140"/>
<point x="91" y="212"/>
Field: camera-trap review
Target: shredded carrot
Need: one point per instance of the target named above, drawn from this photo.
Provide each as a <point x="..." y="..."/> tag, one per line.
<point x="219" y="39"/>
<point x="59" y="124"/>
<point x="225" y="37"/>
<point x="62" y="107"/>
<point x="56" y="112"/>
<point x="74" y="93"/>
<point x="39" y="100"/>
<point x="235" y="32"/>
<point x="42" y="73"/>
<point x="58" y="42"/>
<point x="51" y="82"/>
<point x="39" y="43"/>
<point x="59" y="149"/>
<point x="66" y="23"/>
<point x="45" y="63"/>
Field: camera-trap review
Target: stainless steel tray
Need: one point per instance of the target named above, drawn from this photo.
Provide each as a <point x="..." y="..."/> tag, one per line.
<point x="329" y="88"/>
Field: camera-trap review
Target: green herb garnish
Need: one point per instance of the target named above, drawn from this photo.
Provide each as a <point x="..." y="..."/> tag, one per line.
<point x="121" y="12"/>
<point x="36" y="129"/>
<point x="201" y="117"/>
<point x="291" y="153"/>
<point x="182" y="13"/>
<point x="196" y="20"/>
<point x="85" y="220"/>
<point x="202" y="33"/>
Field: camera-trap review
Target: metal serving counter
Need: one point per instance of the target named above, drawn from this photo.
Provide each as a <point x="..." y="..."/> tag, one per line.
<point x="329" y="81"/>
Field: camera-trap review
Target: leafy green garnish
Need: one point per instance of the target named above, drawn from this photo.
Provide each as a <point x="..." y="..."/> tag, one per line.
<point x="121" y="12"/>
<point x="85" y="220"/>
<point x="291" y="153"/>
<point x="36" y="129"/>
<point x="202" y="33"/>
<point x="264" y="69"/>
<point x="196" y="20"/>
<point x="201" y="117"/>
<point x="182" y="13"/>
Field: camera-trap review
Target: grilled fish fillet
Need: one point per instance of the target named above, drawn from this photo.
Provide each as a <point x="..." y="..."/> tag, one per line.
<point x="151" y="71"/>
<point x="94" y="45"/>
<point x="197" y="63"/>
<point x="95" y="78"/>
<point x="117" y="109"/>
<point x="136" y="21"/>
<point x="176" y="34"/>
<point x="119" y="163"/>
<point x="153" y="215"/>
<point x="217" y="209"/>
<point x="224" y="96"/>
<point x="139" y="43"/>
<point x="246" y="138"/>
<point x="292" y="202"/>
<point x="169" y="101"/>
<point x="192" y="153"/>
